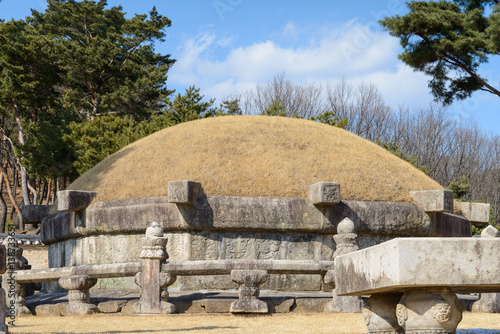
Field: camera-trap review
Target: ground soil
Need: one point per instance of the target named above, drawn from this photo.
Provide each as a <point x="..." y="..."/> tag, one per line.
<point x="472" y="323"/>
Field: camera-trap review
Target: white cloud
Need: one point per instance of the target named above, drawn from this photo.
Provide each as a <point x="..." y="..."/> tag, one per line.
<point x="353" y="51"/>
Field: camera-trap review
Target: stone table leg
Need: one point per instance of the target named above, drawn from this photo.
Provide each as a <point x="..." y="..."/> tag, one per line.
<point x="78" y="294"/>
<point x="249" y="281"/>
<point x="379" y="313"/>
<point x="429" y="311"/>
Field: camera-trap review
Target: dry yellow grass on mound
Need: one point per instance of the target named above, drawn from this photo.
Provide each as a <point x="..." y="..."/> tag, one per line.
<point x="338" y="323"/>
<point x="255" y="156"/>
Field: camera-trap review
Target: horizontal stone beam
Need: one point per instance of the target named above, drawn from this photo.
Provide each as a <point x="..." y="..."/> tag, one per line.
<point x="463" y="264"/>
<point x="224" y="267"/>
<point x="93" y="271"/>
<point x="181" y="268"/>
<point x="434" y="200"/>
<point x="478" y="213"/>
<point x="324" y="193"/>
<point x="253" y="214"/>
<point x="74" y="200"/>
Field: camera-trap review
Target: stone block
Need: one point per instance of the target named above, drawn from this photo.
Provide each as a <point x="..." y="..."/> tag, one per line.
<point x="477" y="213"/>
<point x="131" y="306"/>
<point x="60" y="226"/>
<point x="74" y="200"/>
<point x="434" y="200"/>
<point x="490" y="232"/>
<point x="463" y="264"/>
<point x="33" y="214"/>
<point x="112" y="306"/>
<point x="183" y="192"/>
<point x="47" y="310"/>
<point x="450" y="225"/>
<point x="324" y="193"/>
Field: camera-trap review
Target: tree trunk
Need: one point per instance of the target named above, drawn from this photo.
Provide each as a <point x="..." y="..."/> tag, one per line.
<point x="3" y="207"/>
<point x="24" y="175"/>
<point x="13" y="198"/>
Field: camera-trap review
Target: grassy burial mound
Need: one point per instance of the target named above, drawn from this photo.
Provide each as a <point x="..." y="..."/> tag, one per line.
<point x="255" y="156"/>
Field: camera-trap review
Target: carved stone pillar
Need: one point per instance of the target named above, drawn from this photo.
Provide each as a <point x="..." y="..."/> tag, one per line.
<point x="429" y="311"/>
<point x="250" y="281"/>
<point x="150" y="279"/>
<point x="78" y="294"/>
<point x="379" y="313"/>
<point x="347" y="242"/>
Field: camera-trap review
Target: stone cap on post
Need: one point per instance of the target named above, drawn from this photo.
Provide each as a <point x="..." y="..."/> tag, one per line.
<point x="434" y="200"/>
<point x="323" y="193"/>
<point x="183" y="192"/>
<point x="490" y="232"/>
<point x="74" y="200"/>
<point x="477" y="213"/>
<point x="154" y="244"/>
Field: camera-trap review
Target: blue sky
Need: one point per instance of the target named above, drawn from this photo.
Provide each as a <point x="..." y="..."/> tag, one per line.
<point x="224" y="46"/>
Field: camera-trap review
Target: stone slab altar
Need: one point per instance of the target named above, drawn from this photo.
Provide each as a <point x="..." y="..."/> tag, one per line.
<point x="461" y="264"/>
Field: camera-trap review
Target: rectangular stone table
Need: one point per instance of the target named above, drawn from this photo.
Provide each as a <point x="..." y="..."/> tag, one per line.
<point x="413" y="281"/>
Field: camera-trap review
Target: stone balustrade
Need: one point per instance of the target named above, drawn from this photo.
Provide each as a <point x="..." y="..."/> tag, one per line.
<point x="153" y="274"/>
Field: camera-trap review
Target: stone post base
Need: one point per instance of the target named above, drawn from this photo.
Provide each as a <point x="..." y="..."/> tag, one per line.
<point x="249" y="281"/>
<point x="429" y="311"/>
<point x="78" y="294"/>
<point x="488" y="303"/>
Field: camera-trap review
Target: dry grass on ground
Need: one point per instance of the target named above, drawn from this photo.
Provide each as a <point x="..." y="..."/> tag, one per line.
<point x="281" y="323"/>
<point x="255" y="156"/>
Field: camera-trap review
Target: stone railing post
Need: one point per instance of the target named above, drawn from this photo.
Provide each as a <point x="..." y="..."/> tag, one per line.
<point x="152" y="281"/>
<point x="15" y="292"/>
<point x="78" y="294"/>
<point x="249" y="281"/>
<point x="347" y="242"/>
<point x="3" y="269"/>
<point x="488" y="302"/>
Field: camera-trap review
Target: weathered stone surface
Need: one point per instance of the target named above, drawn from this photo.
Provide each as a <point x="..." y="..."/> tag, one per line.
<point x="429" y="311"/>
<point x="35" y="213"/>
<point x="243" y="214"/>
<point x="324" y="193"/>
<point x="74" y="200"/>
<point x="404" y="262"/>
<point x="434" y="200"/>
<point x="112" y="306"/>
<point x="450" y="225"/>
<point x="488" y="303"/>
<point x="490" y="232"/>
<point x="379" y="313"/>
<point x="58" y="227"/>
<point x="183" y="192"/>
<point x="250" y="281"/>
<point x="343" y="304"/>
<point x="130" y="307"/>
<point x="254" y="213"/>
<point x="478" y="213"/>
<point x="47" y="310"/>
